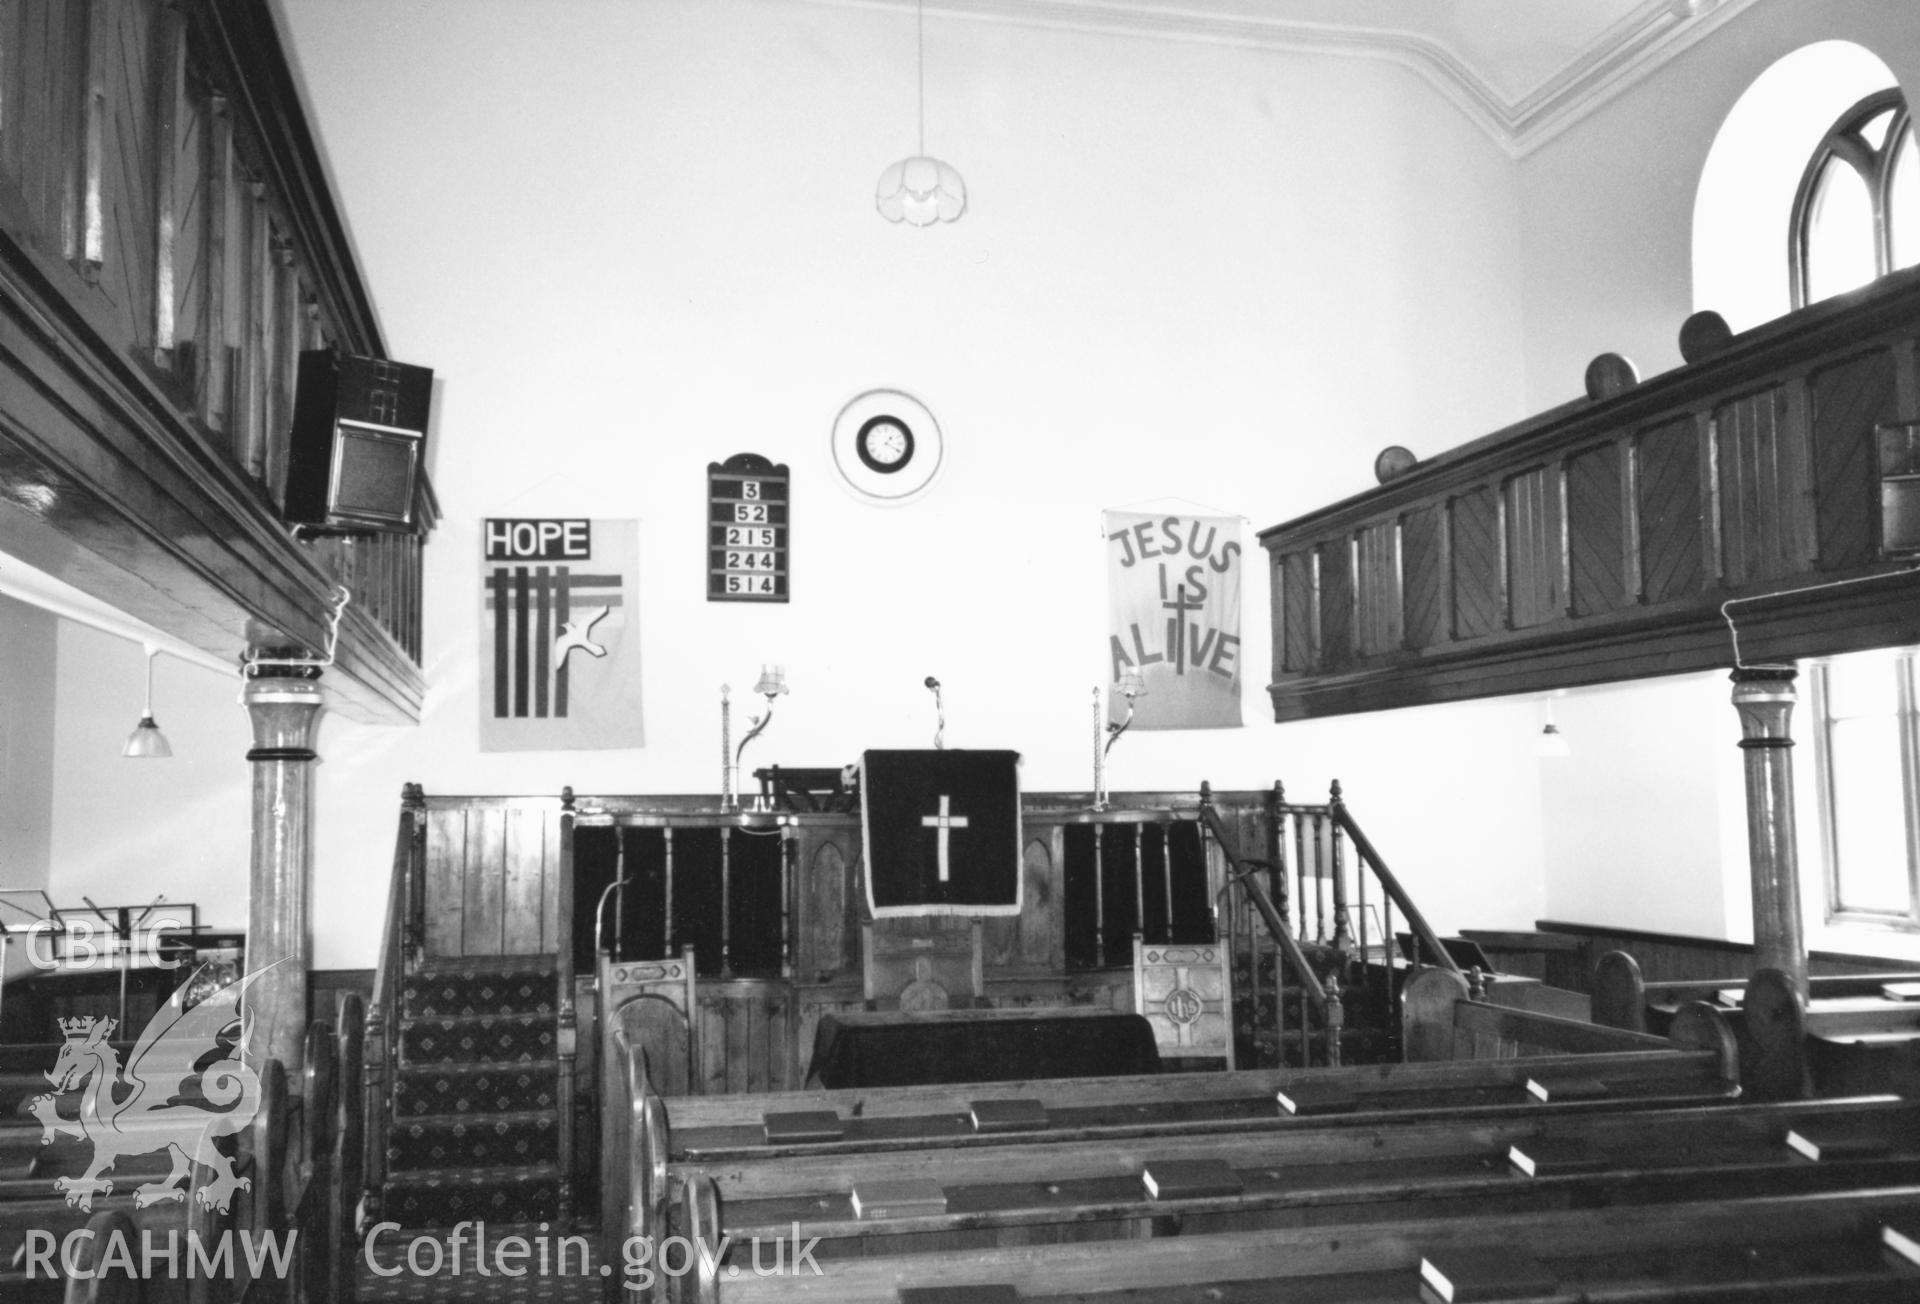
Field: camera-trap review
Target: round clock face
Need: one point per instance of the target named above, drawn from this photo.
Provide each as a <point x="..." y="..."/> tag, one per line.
<point x="884" y="444"/>
<point x="887" y="446"/>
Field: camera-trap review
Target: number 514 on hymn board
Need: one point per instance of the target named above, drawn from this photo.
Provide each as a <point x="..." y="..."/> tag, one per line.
<point x="748" y="502"/>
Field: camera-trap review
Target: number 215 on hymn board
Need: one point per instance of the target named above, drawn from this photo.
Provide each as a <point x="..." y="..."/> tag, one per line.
<point x="747" y="530"/>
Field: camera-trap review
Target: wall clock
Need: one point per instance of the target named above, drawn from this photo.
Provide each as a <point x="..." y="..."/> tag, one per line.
<point x="887" y="446"/>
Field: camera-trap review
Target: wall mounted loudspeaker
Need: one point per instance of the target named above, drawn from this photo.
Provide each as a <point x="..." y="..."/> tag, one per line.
<point x="359" y="437"/>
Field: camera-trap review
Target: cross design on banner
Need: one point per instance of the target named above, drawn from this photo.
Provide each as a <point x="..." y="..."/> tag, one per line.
<point x="945" y="821"/>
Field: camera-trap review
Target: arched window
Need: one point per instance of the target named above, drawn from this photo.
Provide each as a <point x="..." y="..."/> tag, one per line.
<point x="1856" y="214"/>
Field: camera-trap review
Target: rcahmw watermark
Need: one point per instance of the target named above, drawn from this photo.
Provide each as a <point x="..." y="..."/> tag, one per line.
<point x="466" y="1248"/>
<point x="170" y="1254"/>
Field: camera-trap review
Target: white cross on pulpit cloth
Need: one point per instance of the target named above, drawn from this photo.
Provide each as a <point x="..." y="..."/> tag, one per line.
<point x="944" y="821"/>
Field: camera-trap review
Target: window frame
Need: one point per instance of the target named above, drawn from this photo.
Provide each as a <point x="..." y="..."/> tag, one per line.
<point x="1907" y="707"/>
<point x="1843" y="143"/>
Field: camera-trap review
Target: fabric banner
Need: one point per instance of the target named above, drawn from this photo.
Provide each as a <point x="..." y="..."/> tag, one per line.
<point x="1173" y="614"/>
<point x="559" y="635"/>
<point x="941" y="832"/>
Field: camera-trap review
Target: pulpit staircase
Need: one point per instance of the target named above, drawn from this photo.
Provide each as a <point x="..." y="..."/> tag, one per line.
<point x="1311" y="923"/>
<point x="470" y="1073"/>
<point x="473" y="1118"/>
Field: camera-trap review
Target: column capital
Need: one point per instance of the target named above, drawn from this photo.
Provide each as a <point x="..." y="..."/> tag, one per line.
<point x="284" y="713"/>
<point x="1764" y="697"/>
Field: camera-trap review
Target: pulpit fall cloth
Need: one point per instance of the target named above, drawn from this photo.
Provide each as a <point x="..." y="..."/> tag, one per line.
<point x="941" y="832"/>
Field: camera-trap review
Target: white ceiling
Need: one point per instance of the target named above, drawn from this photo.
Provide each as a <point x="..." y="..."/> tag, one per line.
<point x="1522" y="69"/>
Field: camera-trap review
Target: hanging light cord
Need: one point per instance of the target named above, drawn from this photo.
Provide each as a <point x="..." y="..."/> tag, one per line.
<point x="921" y="11"/>
<point x="152" y="652"/>
<point x="337" y="608"/>
<point x="1727" y="615"/>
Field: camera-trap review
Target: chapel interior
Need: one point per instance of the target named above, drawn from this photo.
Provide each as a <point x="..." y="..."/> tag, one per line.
<point x="578" y="601"/>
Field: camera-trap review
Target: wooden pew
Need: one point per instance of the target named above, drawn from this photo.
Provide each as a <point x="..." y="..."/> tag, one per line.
<point x="1366" y="1168"/>
<point x="1622" y="998"/>
<point x="1845" y="1040"/>
<point x="1442" y="1022"/>
<point x="730" y="1130"/>
<point x="277" y="1173"/>
<point x="1803" y="1247"/>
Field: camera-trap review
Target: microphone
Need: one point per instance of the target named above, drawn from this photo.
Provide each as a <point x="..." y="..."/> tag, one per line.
<point x="940" y="714"/>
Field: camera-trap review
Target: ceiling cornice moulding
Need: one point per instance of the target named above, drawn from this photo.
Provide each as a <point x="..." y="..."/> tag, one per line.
<point x="1622" y="55"/>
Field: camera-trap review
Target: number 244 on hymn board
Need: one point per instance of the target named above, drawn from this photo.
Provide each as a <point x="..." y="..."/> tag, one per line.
<point x="748" y="501"/>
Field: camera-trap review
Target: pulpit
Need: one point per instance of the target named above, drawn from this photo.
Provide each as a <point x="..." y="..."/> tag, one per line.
<point x="937" y="965"/>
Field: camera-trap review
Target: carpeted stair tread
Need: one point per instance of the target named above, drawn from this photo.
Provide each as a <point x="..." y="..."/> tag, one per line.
<point x="468" y="991"/>
<point x="474" y="1131"/>
<point x="436" y="1197"/>
<point x="476" y="1089"/>
<point x="489" y="1039"/>
<point x="479" y="1141"/>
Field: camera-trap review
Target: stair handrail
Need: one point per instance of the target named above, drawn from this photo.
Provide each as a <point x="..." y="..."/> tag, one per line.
<point x="404" y="930"/>
<point x="1244" y="873"/>
<point x="1428" y="941"/>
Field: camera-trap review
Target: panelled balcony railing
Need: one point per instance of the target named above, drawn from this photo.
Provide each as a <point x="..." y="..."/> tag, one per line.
<point x="168" y="247"/>
<point x="1731" y="509"/>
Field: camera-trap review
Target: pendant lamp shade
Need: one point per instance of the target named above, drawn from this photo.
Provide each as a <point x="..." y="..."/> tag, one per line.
<point x="921" y="190"/>
<point x="146" y="742"/>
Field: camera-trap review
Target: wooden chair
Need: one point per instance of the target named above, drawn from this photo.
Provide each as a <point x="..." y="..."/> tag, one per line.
<point x="1186" y="992"/>
<point x="922" y="965"/>
<point x="654" y="1003"/>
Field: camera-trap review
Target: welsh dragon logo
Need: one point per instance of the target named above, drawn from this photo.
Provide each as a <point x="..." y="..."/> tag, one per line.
<point x="185" y="1085"/>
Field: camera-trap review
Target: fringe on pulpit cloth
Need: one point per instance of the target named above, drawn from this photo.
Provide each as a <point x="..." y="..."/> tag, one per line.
<point x="941" y="832"/>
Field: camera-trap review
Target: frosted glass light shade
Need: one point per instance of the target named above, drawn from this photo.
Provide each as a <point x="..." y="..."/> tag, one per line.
<point x="921" y="191"/>
<point x="146" y="742"/>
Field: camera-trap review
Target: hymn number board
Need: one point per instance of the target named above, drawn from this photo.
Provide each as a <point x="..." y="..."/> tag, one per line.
<point x="748" y="499"/>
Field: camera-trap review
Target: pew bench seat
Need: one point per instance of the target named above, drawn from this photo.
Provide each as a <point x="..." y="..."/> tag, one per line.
<point x="1795" y="1247"/>
<point x="714" y="1128"/>
<point x="1367" y="1167"/>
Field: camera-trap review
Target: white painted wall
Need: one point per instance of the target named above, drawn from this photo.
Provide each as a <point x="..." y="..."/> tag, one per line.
<point x="126" y="831"/>
<point x="27" y="669"/>
<point x="635" y="238"/>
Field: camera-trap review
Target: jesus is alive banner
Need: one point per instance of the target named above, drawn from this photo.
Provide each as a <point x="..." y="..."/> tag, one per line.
<point x="1173" y="614"/>
<point x="559" y="634"/>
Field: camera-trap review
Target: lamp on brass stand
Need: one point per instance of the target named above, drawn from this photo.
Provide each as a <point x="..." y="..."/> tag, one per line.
<point x="773" y="682"/>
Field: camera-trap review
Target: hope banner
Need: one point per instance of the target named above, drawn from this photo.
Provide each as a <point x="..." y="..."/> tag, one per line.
<point x="559" y="635"/>
<point x="1173" y="614"/>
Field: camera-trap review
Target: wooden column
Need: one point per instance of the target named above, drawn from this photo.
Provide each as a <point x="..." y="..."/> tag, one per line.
<point x="1764" y="696"/>
<point x="284" y="710"/>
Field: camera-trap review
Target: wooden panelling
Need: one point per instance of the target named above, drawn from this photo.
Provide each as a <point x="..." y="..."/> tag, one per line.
<point x="1377" y="575"/>
<point x="43" y="61"/>
<point x="1536" y="559"/>
<point x="1474" y="544"/>
<point x="1298" y="642"/>
<point x="1598" y="559"/>
<point x="119" y="176"/>
<point x="1423" y="544"/>
<point x="491" y="884"/>
<point x="1600" y="541"/>
<point x="1671" y="957"/>
<point x="1760" y="454"/>
<point x="1848" y="399"/>
<point x="1334" y="615"/>
<point x="746" y="1036"/>
<point x="1668" y="482"/>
